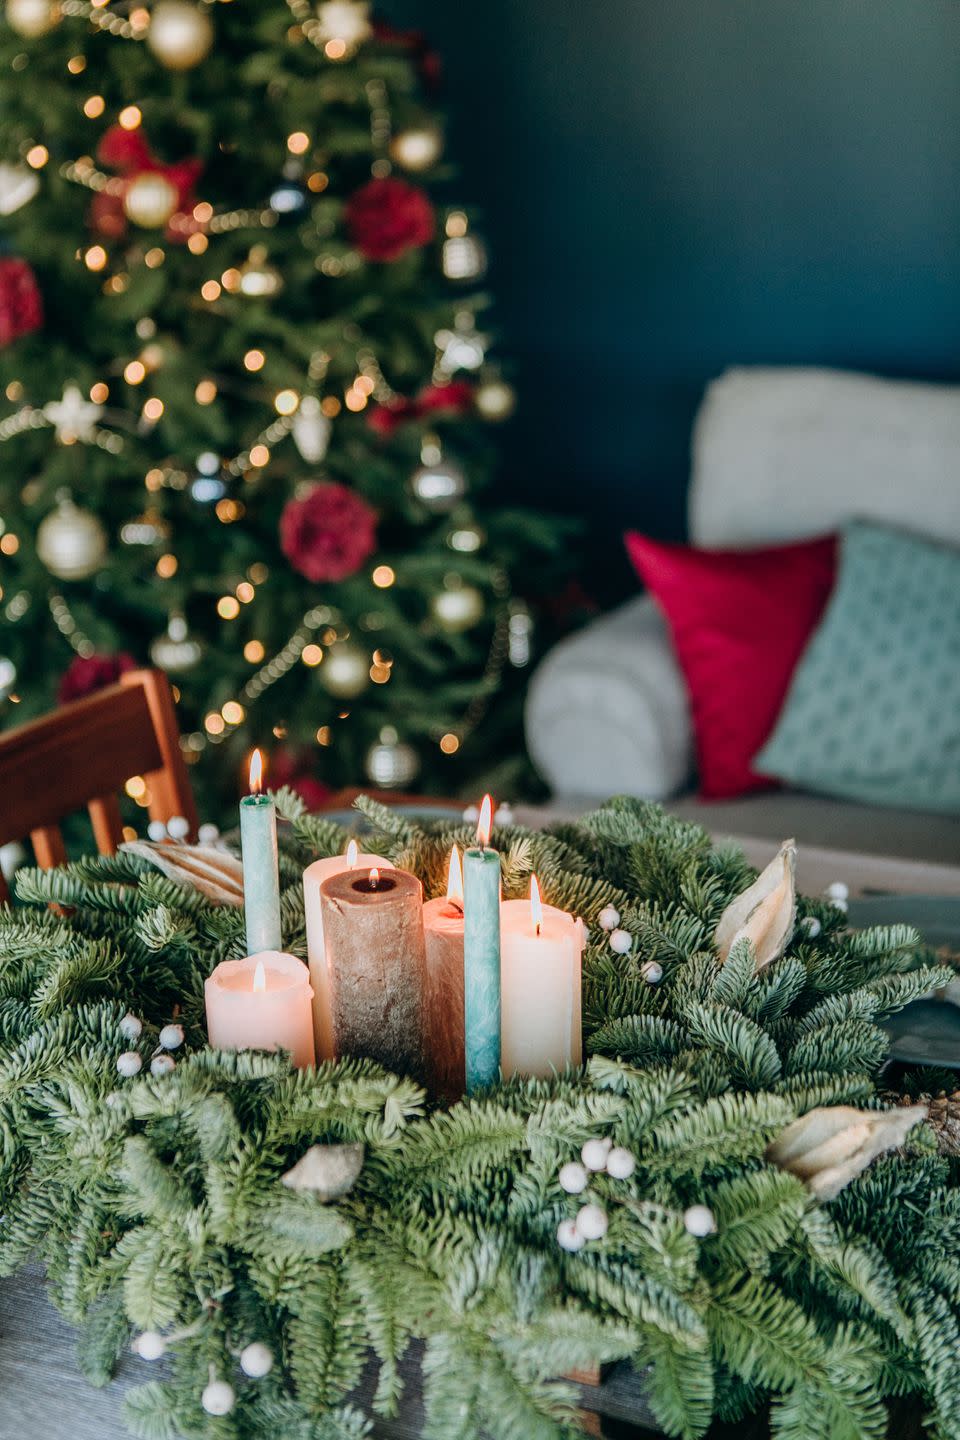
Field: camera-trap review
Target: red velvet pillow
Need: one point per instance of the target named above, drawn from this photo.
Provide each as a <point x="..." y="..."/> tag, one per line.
<point x="740" y="621"/>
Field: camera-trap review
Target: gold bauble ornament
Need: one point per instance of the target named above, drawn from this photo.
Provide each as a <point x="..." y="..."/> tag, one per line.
<point x="457" y="608"/>
<point x="32" y="18"/>
<point x="150" y="200"/>
<point x="180" y="34"/>
<point x="258" y="278"/>
<point x="417" y="149"/>
<point x="495" y="400"/>
<point x="345" y="671"/>
<point x="71" y="542"/>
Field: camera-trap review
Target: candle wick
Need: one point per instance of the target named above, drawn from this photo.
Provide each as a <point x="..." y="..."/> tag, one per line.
<point x="537" y="928"/>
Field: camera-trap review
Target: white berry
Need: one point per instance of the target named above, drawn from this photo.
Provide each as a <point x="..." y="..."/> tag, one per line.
<point x="569" y="1237"/>
<point x="178" y="828"/>
<point x="171" y="1037"/>
<point x="157" y="830"/>
<point x="812" y="926"/>
<point x="218" y="1398"/>
<point x="129" y="1064"/>
<point x="130" y="1027"/>
<point x="208" y="833"/>
<point x="698" y="1220"/>
<point x="621" y="1163"/>
<point x="840" y="905"/>
<point x="592" y="1222"/>
<point x="594" y="1154"/>
<point x="573" y="1178"/>
<point x="621" y="942"/>
<point x="837" y="891"/>
<point x="471" y="815"/>
<point x="503" y="815"/>
<point x="256" y="1360"/>
<point x="652" y="972"/>
<point x="609" y="918"/>
<point x="150" y="1346"/>
<point x="162" y="1065"/>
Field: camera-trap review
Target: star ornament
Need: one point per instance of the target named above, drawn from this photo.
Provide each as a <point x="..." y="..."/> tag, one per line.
<point x="345" y="20"/>
<point x="73" y="417"/>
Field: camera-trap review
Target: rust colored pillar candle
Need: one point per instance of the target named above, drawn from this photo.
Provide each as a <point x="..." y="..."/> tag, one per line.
<point x="443" y="1030"/>
<point x="373" y="932"/>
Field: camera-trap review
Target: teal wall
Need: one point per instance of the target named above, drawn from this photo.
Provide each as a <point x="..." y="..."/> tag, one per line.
<point x="673" y="186"/>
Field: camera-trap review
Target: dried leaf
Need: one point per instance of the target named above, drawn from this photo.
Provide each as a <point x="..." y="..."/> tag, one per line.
<point x="328" y="1171"/>
<point x="765" y="913"/>
<point x="828" y="1147"/>
<point x="214" y="872"/>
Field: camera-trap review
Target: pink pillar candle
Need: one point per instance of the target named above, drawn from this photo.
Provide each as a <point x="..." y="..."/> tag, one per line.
<point x="443" y="1006"/>
<point x="261" y="1003"/>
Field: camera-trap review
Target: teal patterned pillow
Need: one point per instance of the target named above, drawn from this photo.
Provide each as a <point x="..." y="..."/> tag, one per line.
<point x="873" y="711"/>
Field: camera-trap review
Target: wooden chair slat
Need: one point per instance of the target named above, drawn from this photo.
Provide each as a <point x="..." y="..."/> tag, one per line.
<point x="169" y="785"/>
<point x="107" y="825"/>
<point x="48" y="846"/>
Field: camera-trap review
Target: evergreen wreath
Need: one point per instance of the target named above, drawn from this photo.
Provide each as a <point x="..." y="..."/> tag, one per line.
<point x="155" y="1200"/>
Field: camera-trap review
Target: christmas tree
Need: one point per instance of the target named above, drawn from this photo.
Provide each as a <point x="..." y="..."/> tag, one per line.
<point x="248" y="398"/>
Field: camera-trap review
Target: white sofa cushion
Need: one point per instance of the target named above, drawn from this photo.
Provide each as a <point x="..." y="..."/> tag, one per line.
<point x="789" y="453"/>
<point x="607" y="711"/>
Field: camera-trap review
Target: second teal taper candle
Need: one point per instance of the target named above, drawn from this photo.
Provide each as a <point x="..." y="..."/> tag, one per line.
<point x="481" y="962"/>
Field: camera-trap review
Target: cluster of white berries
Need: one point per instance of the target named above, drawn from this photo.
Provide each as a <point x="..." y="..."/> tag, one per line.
<point x="503" y="815"/>
<point x="130" y="1063"/>
<point x="621" y="943"/>
<point x="219" y="1396"/>
<point x="839" y="895"/>
<point x="591" y="1220"/>
<point x="178" y="828"/>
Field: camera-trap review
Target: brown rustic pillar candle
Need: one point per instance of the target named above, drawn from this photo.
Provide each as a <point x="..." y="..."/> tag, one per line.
<point x="373" y="931"/>
<point x="443" y="1027"/>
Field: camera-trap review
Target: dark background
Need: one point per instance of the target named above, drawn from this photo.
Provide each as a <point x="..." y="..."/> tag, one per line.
<point x="673" y="186"/>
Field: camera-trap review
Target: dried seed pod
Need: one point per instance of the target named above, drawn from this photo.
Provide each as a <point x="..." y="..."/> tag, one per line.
<point x="828" y="1147"/>
<point x="765" y="913"/>
<point x="328" y="1171"/>
<point x="214" y="872"/>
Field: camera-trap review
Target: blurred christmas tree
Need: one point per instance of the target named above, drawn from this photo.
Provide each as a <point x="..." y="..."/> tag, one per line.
<point x="248" y="392"/>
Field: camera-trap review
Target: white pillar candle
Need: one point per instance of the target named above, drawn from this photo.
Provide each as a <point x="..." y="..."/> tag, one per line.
<point x="541" y="951"/>
<point x="261" y="1003"/>
<point x="313" y="878"/>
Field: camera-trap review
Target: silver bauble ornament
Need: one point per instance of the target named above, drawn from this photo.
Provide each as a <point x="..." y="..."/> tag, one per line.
<point x="311" y="430"/>
<point x="176" y="650"/>
<point x="180" y="33"/>
<point x="495" y="400"/>
<point x="71" y="542"/>
<point x="259" y="280"/>
<point x="345" y="671"/>
<point x="457" y="608"/>
<point x="417" y="148"/>
<point x="391" y="764"/>
<point x="464" y="257"/>
<point x="8" y="676"/>
<point x="439" y="487"/>
<point x="17" y="187"/>
<point x="150" y="200"/>
<point x="32" y="18"/>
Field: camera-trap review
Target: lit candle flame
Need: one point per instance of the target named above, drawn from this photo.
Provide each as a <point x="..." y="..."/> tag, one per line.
<point x="352" y="853"/>
<point x="485" y="823"/>
<point x="455" y="879"/>
<point x="259" y="978"/>
<point x="374" y="878"/>
<point x="256" y="773"/>
<point x="536" y="908"/>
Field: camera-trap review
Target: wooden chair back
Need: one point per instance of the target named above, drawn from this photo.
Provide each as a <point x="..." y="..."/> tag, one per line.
<point x="82" y="755"/>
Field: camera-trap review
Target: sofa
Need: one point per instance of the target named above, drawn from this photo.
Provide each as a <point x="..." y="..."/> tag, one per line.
<point x="777" y="455"/>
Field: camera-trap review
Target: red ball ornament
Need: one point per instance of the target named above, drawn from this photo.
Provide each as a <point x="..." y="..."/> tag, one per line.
<point x="87" y="673"/>
<point x="329" y="533"/>
<point x="21" y="305"/>
<point x="386" y="218"/>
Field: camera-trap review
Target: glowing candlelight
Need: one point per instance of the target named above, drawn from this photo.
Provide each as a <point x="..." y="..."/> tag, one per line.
<point x="536" y="906"/>
<point x="259" y="977"/>
<point x="485" y="823"/>
<point x="352" y="855"/>
<point x="256" y="773"/>
<point x="374" y="877"/>
<point x="455" y="880"/>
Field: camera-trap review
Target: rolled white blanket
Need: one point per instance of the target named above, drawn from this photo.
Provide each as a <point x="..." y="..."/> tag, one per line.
<point x="607" y="711"/>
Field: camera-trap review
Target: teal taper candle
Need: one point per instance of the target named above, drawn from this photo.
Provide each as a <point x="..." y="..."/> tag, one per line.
<point x="261" y="866"/>
<point x="481" y="959"/>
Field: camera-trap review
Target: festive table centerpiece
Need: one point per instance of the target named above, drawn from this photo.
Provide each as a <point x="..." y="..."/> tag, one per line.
<point x="633" y="1114"/>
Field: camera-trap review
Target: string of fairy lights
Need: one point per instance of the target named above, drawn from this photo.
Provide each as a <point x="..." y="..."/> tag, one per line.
<point x="459" y="347"/>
